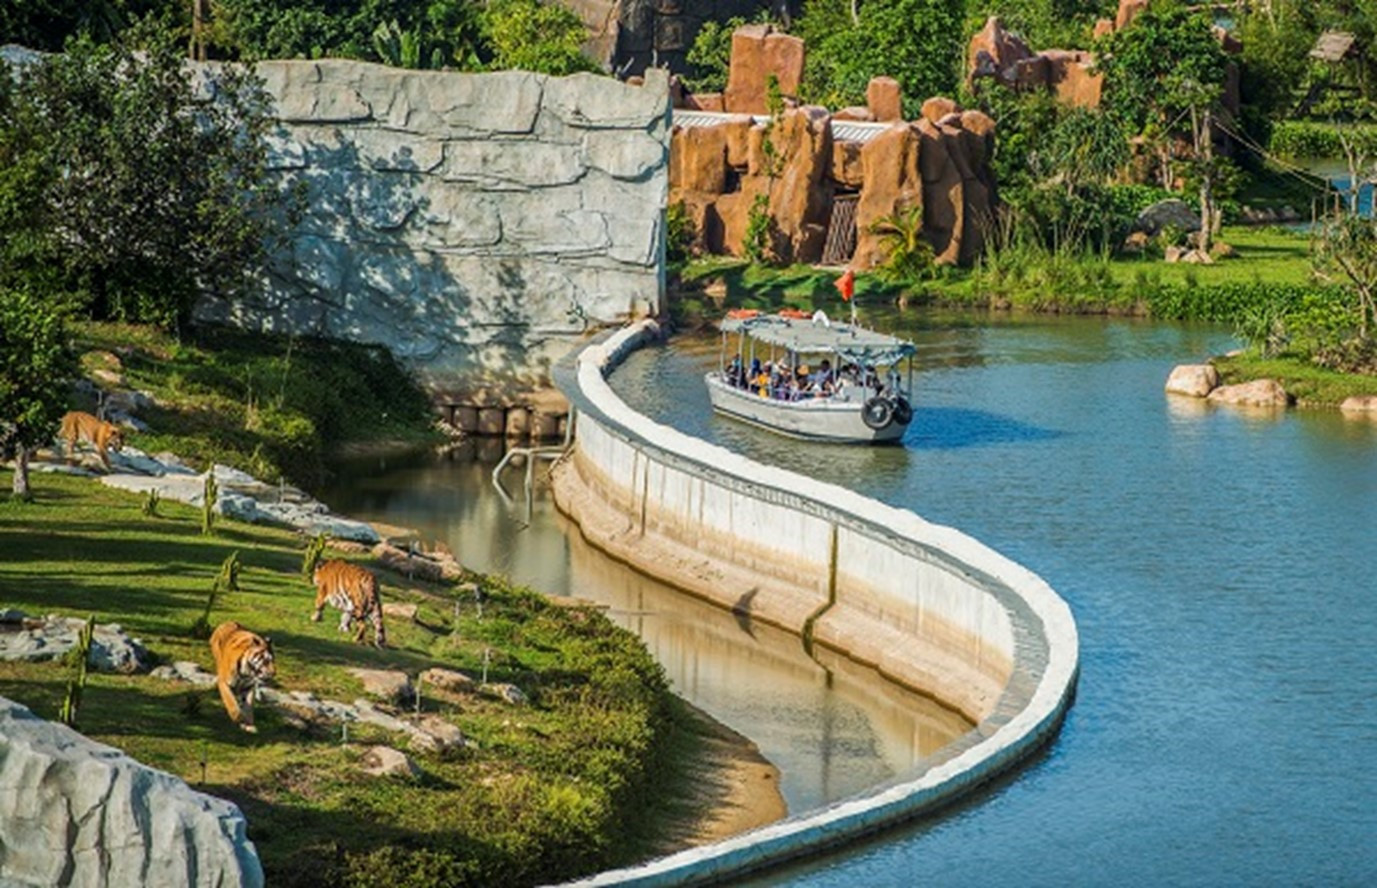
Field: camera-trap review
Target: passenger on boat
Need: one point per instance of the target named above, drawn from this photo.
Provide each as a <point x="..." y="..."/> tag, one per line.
<point x="736" y="373"/>
<point x="761" y="379"/>
<point x="802" y="384"/>
<point x="824" y="382"/>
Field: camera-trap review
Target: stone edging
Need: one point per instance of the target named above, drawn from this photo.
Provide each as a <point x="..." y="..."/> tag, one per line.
<point x="1002" y="611"/>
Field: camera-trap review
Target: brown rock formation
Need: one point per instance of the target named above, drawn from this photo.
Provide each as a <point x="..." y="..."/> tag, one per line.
<point x="801" y="196"/>
<point x="1073" y="78"/>
<point x="698" y="161"/>
<point x="892" y="185"/>
<point x="885" y="99"/>
<point x="1128" y="10"/>
<point x="847" y="168"/>
<point x="995" y="52"/>
<point x="938" y="107"/>
<point x="757" y="52"/>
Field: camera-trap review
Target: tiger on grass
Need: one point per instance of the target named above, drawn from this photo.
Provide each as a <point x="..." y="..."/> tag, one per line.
<point x="243" y="661"/>
<point x="354" y="590"/>
<point x="78" y="426"/>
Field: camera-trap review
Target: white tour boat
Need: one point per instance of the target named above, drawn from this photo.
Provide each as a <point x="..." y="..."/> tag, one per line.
<point x="810" y="377"/>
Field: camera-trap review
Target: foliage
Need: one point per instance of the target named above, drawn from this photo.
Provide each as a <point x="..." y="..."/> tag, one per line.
<point x="35" y="364"/>
<point x="315" y="550"/>
<point x="150" y="194"/>
<point x="917" y="42"/>
<point x="1159" y="71"/>
<point x="1346" y="254"/>
<point x="312" y="395"/>
<point x="710" y="56"/>
<point x="1305" y="139"/>
<point x="759" y="229"/>
<point x="404" y="49"/>
<point x="908" y="258"/>
<point x="534" y="36"/>
<point x="209" y="494"/>
<point x="79" y="660"/>
<point x="1043" y="23"/>
<point x="1276" y="46"/>
<point x="679" y="233"/>
<point x="149" y="506"/>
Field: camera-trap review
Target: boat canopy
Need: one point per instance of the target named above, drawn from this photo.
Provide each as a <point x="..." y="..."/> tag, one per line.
<point x="854" y="344"/>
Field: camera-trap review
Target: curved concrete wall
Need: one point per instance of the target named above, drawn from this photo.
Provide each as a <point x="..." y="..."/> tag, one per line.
<point x="929" y="607"/>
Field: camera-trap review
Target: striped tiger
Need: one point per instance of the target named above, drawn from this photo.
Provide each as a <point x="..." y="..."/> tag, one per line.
<point x="243" y="660"/>
<point x="354" y="591"/>
<point x="78" y="427"/>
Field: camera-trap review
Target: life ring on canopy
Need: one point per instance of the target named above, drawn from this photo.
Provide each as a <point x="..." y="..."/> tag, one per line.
<point x="903" y="411"/>
<point x="796" y="314"/>
<point x="743" y="313"/>
<point x="877" y="413"/>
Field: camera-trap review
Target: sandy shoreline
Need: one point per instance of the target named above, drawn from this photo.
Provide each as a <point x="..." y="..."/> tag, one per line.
<point x="729" y="788"/>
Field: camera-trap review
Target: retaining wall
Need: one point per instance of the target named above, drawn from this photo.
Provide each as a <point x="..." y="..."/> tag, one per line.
<point x="477" y="225"/>
<point x="929" y="607"/>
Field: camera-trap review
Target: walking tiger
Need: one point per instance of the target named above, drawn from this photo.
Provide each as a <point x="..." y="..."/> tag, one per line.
<point x="78" y="426"/>
<point x="354" y="591"/>
<point x="243" y="661"/>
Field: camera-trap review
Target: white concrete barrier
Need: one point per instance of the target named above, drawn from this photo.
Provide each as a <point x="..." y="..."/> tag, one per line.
<point x="928" y="606"/>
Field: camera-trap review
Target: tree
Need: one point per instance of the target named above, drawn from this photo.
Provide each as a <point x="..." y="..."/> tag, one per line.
<point x="917" y="42"/>
<point x="35" y="364"/>
<point x="1346" y="253"/>
<point x="710" y="56"/>
<point x="152" y="187"/>
<point x="533" y="36"/>
<point x="1159" y="71"/>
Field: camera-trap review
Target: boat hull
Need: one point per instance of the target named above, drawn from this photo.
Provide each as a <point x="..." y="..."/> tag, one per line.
<point x="813" y="419"/>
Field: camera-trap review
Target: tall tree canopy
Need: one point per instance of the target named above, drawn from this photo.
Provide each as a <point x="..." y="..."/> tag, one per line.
<point x="917" y="42"/>
<point x="35" y="366"/>
<point x="139" y="187"/>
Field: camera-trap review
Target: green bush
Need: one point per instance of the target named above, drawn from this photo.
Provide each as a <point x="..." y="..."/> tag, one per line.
<point x="1299" y="139"/>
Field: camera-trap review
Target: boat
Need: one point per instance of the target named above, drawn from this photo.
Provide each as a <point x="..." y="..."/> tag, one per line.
<point x="807" y="376"/>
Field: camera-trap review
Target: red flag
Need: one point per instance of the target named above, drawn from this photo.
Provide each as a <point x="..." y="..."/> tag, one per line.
<point x="847" y="285"/>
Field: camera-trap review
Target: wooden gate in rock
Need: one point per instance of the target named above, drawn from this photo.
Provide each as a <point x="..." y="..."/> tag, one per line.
<point x="840" y="245"/>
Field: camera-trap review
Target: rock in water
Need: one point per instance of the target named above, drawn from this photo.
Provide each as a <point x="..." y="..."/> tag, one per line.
<point x="77" y="812"/>
<point x="1258" y="393"/>
<point x="1195" y="380"/>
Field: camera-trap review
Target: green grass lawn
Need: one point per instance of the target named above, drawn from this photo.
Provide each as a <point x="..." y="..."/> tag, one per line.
<point x="274" y="406"/>
<point x="560" y="787"/>
<point x="1309" y="384"/>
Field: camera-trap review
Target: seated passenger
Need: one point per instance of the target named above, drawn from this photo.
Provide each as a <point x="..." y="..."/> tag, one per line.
<point x="824" y="381"/>
<point x="736" y="373"/>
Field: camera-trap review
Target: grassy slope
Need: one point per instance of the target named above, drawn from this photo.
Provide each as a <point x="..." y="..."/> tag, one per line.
<point x="552" y="789"/>
<point x="270" y="405"/>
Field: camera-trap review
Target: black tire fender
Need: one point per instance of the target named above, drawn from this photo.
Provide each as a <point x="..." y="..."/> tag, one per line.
<point x="877" y="413"/>
<point x="903" y="411"/>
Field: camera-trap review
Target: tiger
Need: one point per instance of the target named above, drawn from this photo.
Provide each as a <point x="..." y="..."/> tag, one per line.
<point x="354" y="590"/>
<point x="243" y="661"/>
<point x="78" y="426"/>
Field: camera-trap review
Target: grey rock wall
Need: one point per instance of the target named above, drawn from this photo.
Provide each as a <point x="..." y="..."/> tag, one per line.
<point x="75" y="812"/>
<point x="475" y="224"/>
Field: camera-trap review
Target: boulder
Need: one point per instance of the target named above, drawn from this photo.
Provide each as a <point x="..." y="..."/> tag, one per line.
<point x="1196" y="257"/>
<point x="416" y="566"/>
<point x="1103" y="28"/>
<point x="885" y="99"/>
<point x="77" y="812"/>
<point x="433" y="734"/>
<point x="109" y="378"/>
<point x="938" y="107"/>
<point x="1170" y="213"/>
<point x="1222" y="250"/>
<point x="1258" y="393"/>
<point x="509" y="693"/>
<point x="854" y="112"/>
<point x="1364" y="405"/>
<point x="1128" y="10"/>
<point x="1173" y="254"/>
<point x="846" y="164"/>
<point x="801" y="199"/>
<point x="52" y="637"/>
<point x="737" y="134"/>
<point x="892" y="184"/>
<point x="704" y="102"/>
<point x="698" y="159"/>
<point x="1072" y="76"/>
<point x="995" y="52"/>
<point x="945" y="173"/>
<point x="401" y="610"/>
<point x="1136" y="242"/>
<point x="390" y="685"/>
<point x="384" y="761"/>
<point x="1195" y="380"/>
<point x="187" y="671"/>
<point x="447" y="680"/>
<point x="757" y="52"/>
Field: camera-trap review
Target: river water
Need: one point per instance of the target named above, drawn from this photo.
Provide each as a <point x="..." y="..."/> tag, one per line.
<point x="1218" y="563"/>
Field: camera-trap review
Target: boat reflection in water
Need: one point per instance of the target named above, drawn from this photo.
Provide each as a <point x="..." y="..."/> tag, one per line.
<point x="832" y="730"/>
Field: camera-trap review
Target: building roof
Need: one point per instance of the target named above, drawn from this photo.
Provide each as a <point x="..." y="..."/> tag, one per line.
<point x="806" y="336"/>
<point x="842" y="130"/>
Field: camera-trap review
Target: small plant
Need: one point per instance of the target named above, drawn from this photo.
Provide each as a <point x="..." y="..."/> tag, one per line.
<point x="909" y="257"/>
<point x="679" y="233"/>
<point x="759" y="226"/>
<point x="227" y="580"/>
<point x="210" y="494"/>
<point x="315" y="550"/>
<point x="78" y="658"/>
<point x="150" y="503"/>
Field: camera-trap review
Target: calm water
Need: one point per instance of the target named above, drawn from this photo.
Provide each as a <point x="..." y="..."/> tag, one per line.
<point x="1219" y="566"/>
<point x="830" y="727"/>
